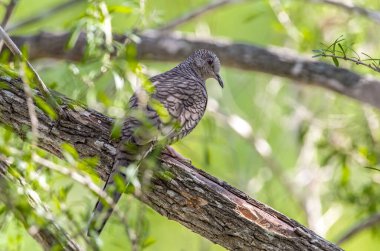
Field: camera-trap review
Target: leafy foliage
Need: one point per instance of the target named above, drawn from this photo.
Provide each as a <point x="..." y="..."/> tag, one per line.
<point x="339" y="49"/>
<point x="305" y="152"/>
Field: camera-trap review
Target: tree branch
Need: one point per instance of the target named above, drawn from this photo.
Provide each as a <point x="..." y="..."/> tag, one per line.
<point x="357" y="228"/>
<point x="36" y="77"/>
<point x="190" y="196"/>
<point x="169" y="47"/>
<point x="371" y="14"/>
<point x="8" y="12"/>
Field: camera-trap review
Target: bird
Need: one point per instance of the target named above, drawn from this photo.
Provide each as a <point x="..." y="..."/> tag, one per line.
<point x="182" y="93"/>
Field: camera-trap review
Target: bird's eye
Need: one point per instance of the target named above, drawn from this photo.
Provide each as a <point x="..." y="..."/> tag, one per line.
<point x="210" y="61"/>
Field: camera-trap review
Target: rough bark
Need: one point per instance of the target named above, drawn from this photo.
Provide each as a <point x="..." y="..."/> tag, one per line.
<point x="195" y="199"/>
<point x="169" y="47"/>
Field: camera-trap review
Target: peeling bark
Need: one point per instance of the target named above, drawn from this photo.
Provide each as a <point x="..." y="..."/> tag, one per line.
<point x="197" y="200"/>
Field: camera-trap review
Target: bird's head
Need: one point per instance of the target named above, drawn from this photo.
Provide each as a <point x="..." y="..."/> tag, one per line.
<point x="207" y="64"/>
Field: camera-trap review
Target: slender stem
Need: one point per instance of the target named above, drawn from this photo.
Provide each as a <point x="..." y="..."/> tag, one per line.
<point x="356" y="61"/>
<point x="359" y="227"/>
<point x="8" y="12"/>
<point x="31" y="110"/>
<point x="371" y="14"/>
<point x="87" y="182"/>
<point x="40" y="84"/>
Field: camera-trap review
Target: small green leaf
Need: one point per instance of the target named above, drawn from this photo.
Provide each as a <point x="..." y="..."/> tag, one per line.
<point x="116" y="129"/>
<point x="161" y="110"/>
<point x="129" y="189"/>
<point x="148" y="242"/>
<point x="120" y="9"/>
<point x="120" y="183"/>
<point x="68" y="148"/>
<point x="73" y="38"/>
<point x="333" y="49"/>
<point x="45" y="107"/>
<point x="6" y="70"/>
<point x="345" y="175"/>
<point x="340" y="46"/>
<point x="336" y="62"/>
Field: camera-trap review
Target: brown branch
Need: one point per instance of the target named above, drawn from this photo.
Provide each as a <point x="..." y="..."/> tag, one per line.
<point x="196" y="13"/>
<point x="8" y="13"/>
<point x="188" y="195"/>
<point x="168" y="47"/>
<point x="37" y="79"/>
<point x="371" y="14"/>
<point x="359" y="227"/>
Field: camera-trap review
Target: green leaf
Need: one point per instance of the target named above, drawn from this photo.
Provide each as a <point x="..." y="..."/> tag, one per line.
<point x="343" y="51"/>
<point x="120" y="183"/>
<point x="336" y="62"/>
<point x="148" y="242"/>
<point x="162" y="112"/>
<point x="116" y="129"/>
<point x="129" y="189"/>
<point x="333" y="49"/>
<point x="120" y="9"/>
<point x="6" y="70"/>
<point x="73" y="38"/>
<point x="345" y="175"/>
<point x="45" y="107"/>
<point x="68" y="148"/>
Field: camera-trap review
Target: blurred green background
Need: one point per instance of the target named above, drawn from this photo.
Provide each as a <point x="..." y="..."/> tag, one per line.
<point x="299" y="149"/>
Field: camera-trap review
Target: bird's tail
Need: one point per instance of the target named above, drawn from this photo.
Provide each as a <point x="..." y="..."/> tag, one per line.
<point x="102" y="210"/>
<point x="130" y="151"/>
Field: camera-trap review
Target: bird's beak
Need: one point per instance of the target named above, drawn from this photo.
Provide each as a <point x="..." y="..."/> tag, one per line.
<point x="219" y="79"/>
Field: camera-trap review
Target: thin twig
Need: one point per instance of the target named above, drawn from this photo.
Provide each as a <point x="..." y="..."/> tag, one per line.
<point x="284" y="19"/>
<point x="31" y="109"/>
<point x="356" y="61"/>
<point x="87" y="182"/>
<point x="372" y="168"/>
<point x="44" y="14"/>
<point x="52" y="234"/>
<point x="374" y="15"/>
<point x="40" y="84"/>
<point x="196" y="13"/>
<point x="359" y="227"/>
<point x="8" y="12"/>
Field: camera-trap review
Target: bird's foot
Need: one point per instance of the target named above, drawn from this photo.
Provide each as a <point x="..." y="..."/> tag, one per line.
<point x="173" y="153"/>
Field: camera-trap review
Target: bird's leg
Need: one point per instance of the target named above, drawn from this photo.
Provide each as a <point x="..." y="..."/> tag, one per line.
<point x="173" y="153"/>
